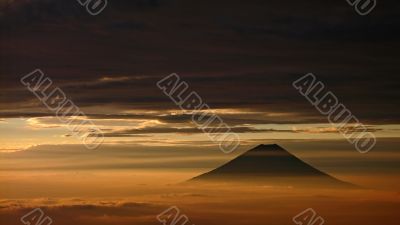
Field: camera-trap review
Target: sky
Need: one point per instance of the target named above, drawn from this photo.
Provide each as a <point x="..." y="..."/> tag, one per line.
<point x="241" y="58"/>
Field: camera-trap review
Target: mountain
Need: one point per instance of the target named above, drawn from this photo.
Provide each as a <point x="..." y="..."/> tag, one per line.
<point x="270" y="165"/>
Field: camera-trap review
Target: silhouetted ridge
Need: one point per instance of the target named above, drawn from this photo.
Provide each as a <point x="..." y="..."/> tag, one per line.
<point x="266" y="163"/>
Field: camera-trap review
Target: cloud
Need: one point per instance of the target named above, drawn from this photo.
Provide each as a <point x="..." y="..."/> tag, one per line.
<point x="66" y="211"/>
<point x="244" y="57"/>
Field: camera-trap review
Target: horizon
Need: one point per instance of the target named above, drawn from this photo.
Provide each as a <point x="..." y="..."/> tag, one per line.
<point x="108" y="107"/>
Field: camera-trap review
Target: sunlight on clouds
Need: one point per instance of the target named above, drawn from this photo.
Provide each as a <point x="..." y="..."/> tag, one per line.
<point x="43" y="122"/>
<point x="315" y="129"/>
<point x="162" y="130"/>
<point x="111" y="79"/>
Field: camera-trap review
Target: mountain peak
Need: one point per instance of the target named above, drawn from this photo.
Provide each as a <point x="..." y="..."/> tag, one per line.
<point x="268" y="147"/>
<point x="270" y="150"/>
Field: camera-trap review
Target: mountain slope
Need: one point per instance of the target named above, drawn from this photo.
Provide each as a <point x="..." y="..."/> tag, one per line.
<point x="270" y="164"/>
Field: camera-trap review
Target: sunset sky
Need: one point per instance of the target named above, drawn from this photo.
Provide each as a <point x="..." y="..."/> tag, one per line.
<point x="241" y="57"/>
<point x="242" y="64"/>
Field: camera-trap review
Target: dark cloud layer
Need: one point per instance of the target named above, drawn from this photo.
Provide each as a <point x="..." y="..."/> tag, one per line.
<point x="235" y="54"/>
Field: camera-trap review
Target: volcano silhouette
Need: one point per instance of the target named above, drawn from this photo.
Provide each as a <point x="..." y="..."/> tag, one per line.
<point x="270" y="165"/>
